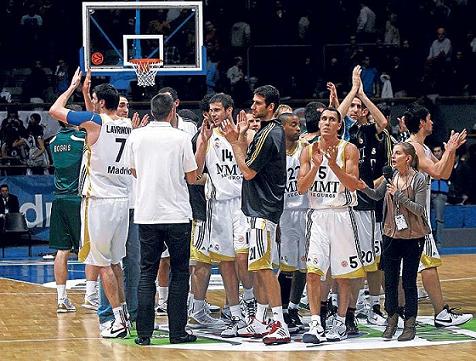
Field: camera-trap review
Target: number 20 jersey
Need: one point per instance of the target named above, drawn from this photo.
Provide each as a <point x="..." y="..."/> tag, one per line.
<point x="104" y="172"/>
<point x="225" y="176"/>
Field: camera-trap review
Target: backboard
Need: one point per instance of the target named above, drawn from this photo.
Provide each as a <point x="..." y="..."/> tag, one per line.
<point x="116" y="31"/>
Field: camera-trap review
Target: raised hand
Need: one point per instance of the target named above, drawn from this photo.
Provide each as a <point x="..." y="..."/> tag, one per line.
<point x="87" y="82"/>
<point x="317" y="156"/>
<point x="137" y="122"/>
<point x="333" y="99"/>
<point x="206" y="130"/>
<point x="453" y="142"/>
<point x="331" y="155"/>
<point x="462" y="137"/>
<point x="402" y="127"/>
<point x="76" y="80"/>
<point x="242" y="124"/>
<point x="356" y="76"/>
<point x="230" y="131"/>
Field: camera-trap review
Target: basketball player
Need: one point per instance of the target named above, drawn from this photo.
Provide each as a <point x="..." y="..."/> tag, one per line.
<point x="365" y="136"/>
<point x="419" y="123"/>
<point x="65" y="229"/>
<point x="263" y="165"/>
<point x="293" y="227"/>
<point x="329" y="172"/>
<point x="105" y="187"/>
<point x="226" y="223"/>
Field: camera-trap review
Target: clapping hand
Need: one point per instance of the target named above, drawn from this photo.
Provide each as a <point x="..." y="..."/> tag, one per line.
<point x="137" y="122"/>
<point x="455" y="140"/>
<point x="356" y="76"/>
<point x="206" y="130"/>
<point x="317" y="155"/>
<point x="333" y="99"/>
<point x="331" y="155"/>
<point x="76" y="80"/>
<point x="87" y="82"/>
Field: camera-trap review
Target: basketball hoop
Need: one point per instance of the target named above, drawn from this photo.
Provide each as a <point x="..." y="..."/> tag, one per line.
<point x="146" y="70"/>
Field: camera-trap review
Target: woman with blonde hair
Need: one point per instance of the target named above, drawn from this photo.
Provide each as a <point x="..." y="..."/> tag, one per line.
<point x="404" y="229"/>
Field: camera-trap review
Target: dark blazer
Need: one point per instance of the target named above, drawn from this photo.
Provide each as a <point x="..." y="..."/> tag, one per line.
<point x="12" y="204"/>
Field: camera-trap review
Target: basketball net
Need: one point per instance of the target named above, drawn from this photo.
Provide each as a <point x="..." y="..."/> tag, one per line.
<point x="146" y="71"/>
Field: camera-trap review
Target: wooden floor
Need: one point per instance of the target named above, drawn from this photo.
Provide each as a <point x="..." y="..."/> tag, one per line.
<point x="30" y="329"/>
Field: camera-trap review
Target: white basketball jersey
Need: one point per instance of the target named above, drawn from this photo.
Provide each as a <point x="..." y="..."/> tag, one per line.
<point x="225" y="177"/>
<point x="327" y="191"/>
<point x="292" y="199"/>
<point x="104" y="172"/>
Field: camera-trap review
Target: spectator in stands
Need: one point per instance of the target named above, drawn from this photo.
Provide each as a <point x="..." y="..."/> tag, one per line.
<point x="239" y="89"/>
<point x="37" y="156"/>
<point x="441" y="48"/>
<point x="240" y="35"/>
<point x="31" y="25"/>
<point x="5" y="96"/>
<point x="36" y="84"/>
<point x="392" y="33"/>
<point x="366" y="24"/>
<point x="12" y="133"/>
<point x="439" y="195"/>
<point x="8" y="203"/>
<point x="369" y="77"/>
<point x="61" y="77"/>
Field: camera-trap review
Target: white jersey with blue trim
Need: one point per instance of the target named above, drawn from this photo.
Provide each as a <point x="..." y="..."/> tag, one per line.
<point x="292" y="198"/>
<point x="104" y="172"/>
<point x="327" y="191"/>
<point x="225" y="177"/>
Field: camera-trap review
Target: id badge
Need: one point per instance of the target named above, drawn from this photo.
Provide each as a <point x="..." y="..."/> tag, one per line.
<point x="400" y="222"/>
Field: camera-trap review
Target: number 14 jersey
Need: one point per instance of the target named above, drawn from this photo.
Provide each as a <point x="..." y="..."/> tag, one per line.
<point x="104" y="172"/>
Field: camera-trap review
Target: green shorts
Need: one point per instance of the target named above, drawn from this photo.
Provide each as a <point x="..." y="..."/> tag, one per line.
<point x="65" y="223"/>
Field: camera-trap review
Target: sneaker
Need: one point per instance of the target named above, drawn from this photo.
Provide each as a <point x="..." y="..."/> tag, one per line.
<point x="304" y="303"/>
<point x="91" y="303"/>
<point x="211" y="308"/>
<point x="450" y="317"/>
<point x="376" y="316"/>
<point x="65" y="306"/>
<point x="254" y="328"/>
<point x="105" y="325"/>
<point x="328" y="320"/>
<point x="161" y="309"/>
<point x="337" y="332"/>
<point x="202" y="319"/>
<point x="225" y="315"/>
<point x="351" y="324"/>
<point x="232" y="329"/>
<point x="116" y="330"/>
<point x="292" y="327"/>
<point x="248" y="308"/>
<point x="294" y="314"/>
<point x="278" y="334"/>
<point x="315" y="334"/>
<point x="422" y="294"/>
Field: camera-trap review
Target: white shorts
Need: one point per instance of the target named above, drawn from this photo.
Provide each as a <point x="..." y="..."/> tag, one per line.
<point x="331" y="237"/>
<point x="292" y="246"/>
<point x="104" y="228"/>
<point x="227" y="229"/>
<point x="199" y="242"/>
<point x="263" y="251"/>
<point x="368" y="233"/>
<point x="430" y="257"/>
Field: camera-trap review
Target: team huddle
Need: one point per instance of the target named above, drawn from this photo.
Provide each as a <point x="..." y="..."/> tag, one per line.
<point x="278" y="211"/>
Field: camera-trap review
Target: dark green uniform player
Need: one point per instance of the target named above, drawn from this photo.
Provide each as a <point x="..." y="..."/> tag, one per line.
<point x="65" y="224"/>
<point x="67" y="152"/>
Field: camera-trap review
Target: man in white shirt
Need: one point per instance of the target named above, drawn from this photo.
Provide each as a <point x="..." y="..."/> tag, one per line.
<point x="162" y="160"/>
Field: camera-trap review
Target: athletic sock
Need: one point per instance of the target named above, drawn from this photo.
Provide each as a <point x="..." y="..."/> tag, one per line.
<point x="91" y="288"/>
<point x="248" y="294"/>
<point x="61" y="291"/>
<point x="261" y="312"/>
<point x="278" y="314"/>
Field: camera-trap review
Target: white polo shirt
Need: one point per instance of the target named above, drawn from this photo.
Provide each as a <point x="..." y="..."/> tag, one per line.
<point x="161" y="155"/>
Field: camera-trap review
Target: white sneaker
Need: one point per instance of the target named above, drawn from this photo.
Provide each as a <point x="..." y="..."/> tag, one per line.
<point x="254" y="328"/>
<point x="65" y="306"/>
<point x="202" y="319"/>
<point x="375" y="316"/>
<point x="105" y="325"/>
<point x="211" y="308"/>
<point x="248" y="308"/>
<point x="225" y="314"/>
<point x="116" y="330"/>
<point x="422" y="294"/>
<point x="337" y="332"/>
<point x="91" y="303"/>
<point x="315" y="334"/>
<point x="450" y="317"/>
<point x="161" y="309"/>
<point x="330" y="320"/>
<point x="277" y="334"/>
<point x="232" y="329"/>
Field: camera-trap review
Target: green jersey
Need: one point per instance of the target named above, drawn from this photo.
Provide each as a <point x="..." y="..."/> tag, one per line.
<point x="67" y="151"/>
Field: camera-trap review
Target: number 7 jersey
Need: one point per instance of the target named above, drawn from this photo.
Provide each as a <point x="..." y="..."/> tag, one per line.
<point x="104" y="172"/>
